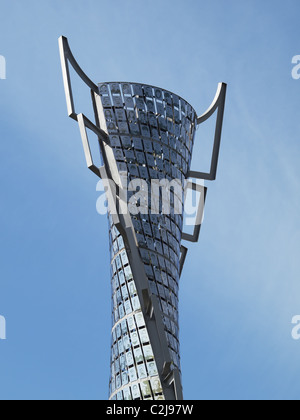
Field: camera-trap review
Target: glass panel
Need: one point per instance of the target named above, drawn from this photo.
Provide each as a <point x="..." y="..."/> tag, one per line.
<point x="142" y="371"/>
<point x="156" y="385"/>
<point x="132" y="374"/>
<point x="138" y="355"/>
<point x="152" y="369"/>
<point x="134" y="339"/>
<point x="127" y="394"/>
<point x="144" y="335"/>
<point x="129" y="358"/>
<point x="135" y="391"/>
<point x="145" y="387"/>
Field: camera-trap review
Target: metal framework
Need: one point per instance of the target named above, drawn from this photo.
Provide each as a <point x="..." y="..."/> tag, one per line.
<point x="148" y="133"/>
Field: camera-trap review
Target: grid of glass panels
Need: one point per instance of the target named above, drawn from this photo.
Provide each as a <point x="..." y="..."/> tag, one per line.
<point x="151" y="130"/>
<point x="152" y="133"/>
<point x="134" y="374"/>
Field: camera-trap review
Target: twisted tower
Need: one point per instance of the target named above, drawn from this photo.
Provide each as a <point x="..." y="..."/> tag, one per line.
<point x="146" y="136"/>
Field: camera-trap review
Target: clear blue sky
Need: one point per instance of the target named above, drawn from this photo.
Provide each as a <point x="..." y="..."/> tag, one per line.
<point x="240" y="287"/>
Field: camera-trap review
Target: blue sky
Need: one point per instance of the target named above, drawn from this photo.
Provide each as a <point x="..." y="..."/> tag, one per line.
<point x="240" y="287"/>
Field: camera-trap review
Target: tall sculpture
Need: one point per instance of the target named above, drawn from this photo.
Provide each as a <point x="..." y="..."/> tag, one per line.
<point x="146" y="136"/>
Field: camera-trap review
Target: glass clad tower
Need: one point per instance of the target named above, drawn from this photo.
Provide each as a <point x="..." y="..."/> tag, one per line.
<point x="146" y="136"/>
<point x="151" y="132"/>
